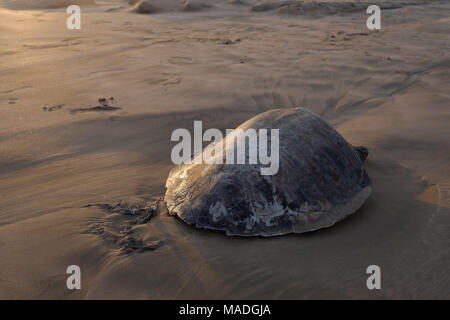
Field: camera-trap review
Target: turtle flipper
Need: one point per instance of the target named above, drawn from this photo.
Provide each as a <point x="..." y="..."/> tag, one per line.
<point x="363" y="152"/>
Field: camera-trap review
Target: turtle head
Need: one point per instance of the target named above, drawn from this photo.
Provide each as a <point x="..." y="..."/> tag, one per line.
<point x="363" y="152"/>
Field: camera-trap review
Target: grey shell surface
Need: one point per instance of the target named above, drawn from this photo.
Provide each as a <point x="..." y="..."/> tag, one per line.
<point x="320" y="181"/>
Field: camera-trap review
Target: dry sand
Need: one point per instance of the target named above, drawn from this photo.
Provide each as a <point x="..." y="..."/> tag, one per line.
<point x="61" y="150"/>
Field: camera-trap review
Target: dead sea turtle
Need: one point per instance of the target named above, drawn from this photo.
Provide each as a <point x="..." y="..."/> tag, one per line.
<point x="320" y="181"/>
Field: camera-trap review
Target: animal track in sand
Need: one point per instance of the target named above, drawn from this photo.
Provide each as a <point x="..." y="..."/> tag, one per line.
<point x="228" y="42"/>
<point x="16" y="89"/>
<point x="12" y="100"/>
<point x="181" y="60"/>
<point x="324" y="8"/>
<point x="171" y="81"/>
<point x="54" y="108"/>
<point x="51" y="45"/>
<point x="123" y="229"/>
<point x="344" y="36"/>
<point x="104" y="106"/>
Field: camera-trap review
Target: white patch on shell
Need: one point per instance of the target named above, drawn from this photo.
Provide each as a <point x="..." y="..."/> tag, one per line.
<point x="218" y="211"/>
<point x="265" y="213"/>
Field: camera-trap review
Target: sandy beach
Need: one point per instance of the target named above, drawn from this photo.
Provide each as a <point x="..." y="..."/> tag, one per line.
<point x="67" y="158"/>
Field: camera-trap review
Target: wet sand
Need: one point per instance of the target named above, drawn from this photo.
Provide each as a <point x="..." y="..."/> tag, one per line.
<point x="66" y="159"/>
